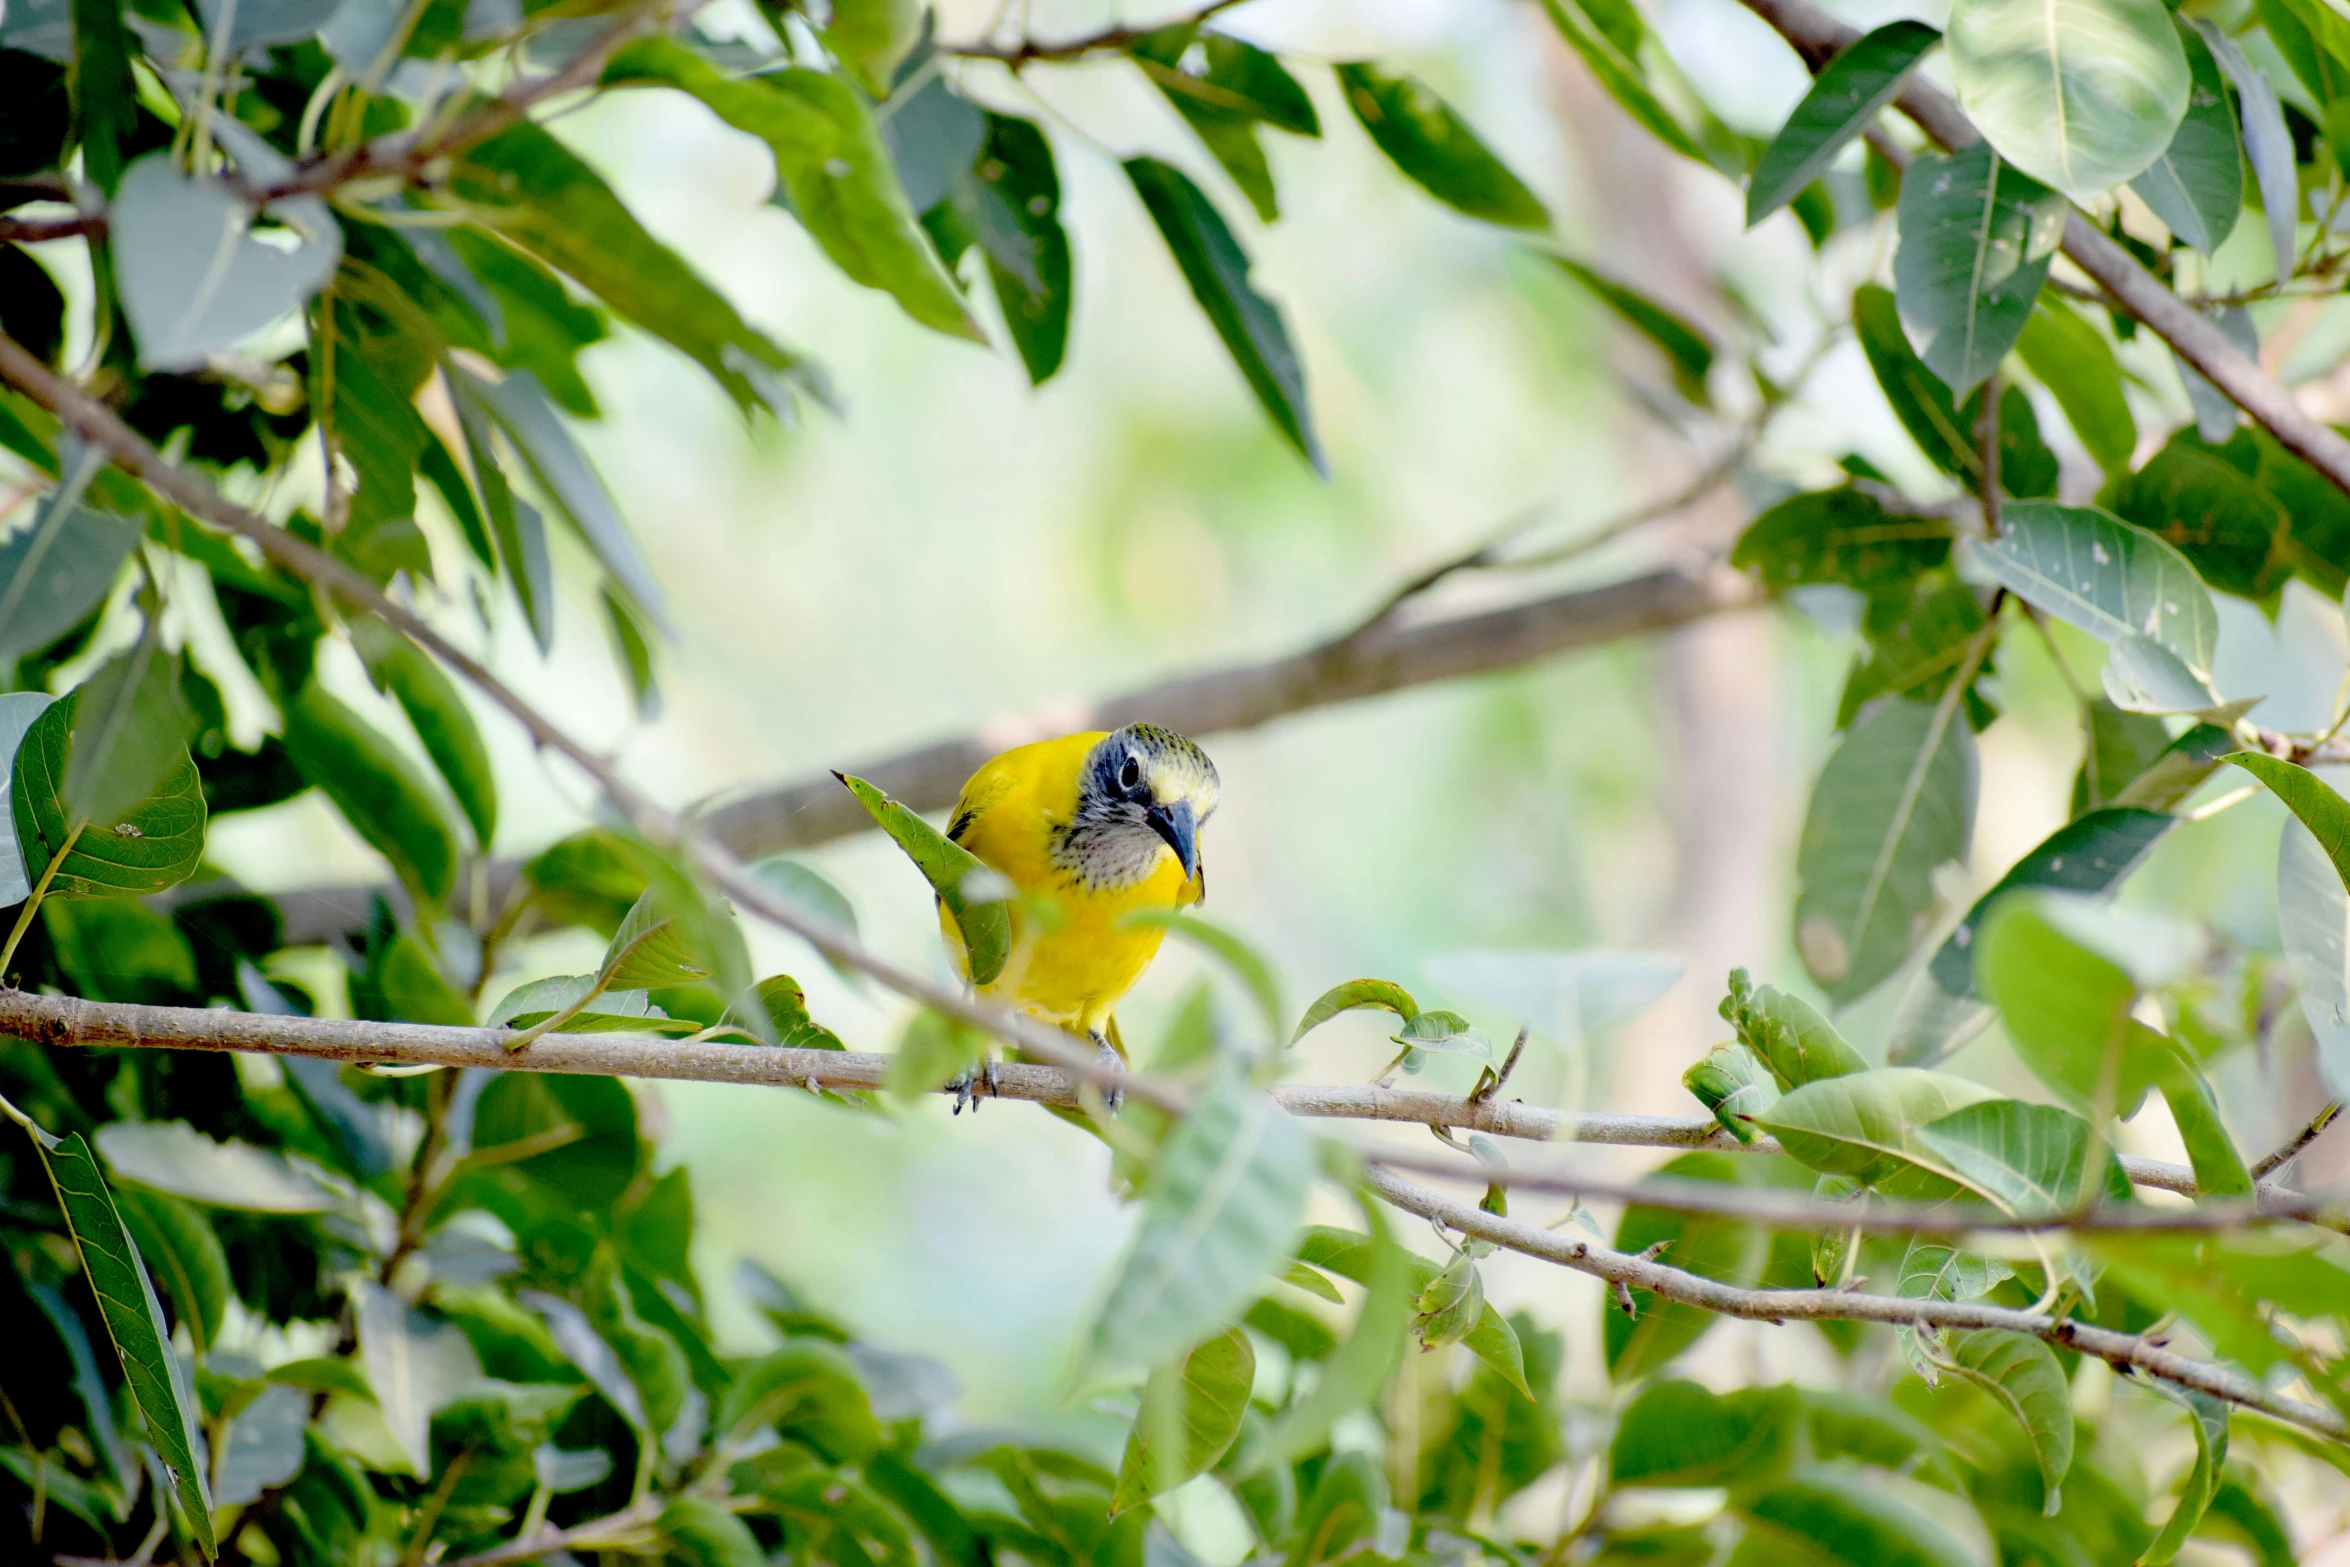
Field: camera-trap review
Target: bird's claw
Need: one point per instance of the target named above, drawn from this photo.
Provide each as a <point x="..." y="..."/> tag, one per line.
<point x="966" y="1087"/>
<point x="1113" y="1097"/>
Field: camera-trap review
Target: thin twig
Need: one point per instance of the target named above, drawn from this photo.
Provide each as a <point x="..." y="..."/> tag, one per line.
<point x="629" y="1526"/>
<point x="1110" y="40"/>
<point x="1827" y="1305"/>
<point x="1987" y="442"/>
<point x="2277" y="1159"/>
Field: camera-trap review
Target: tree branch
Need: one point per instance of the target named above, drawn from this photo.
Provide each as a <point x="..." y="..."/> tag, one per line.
<point x="102" y="427"/>
<point x="1817" y="37"/>
<point x="2278" y="1157"/>
<point x="1827" y="1305"/>
<point x="630" y="1527"/>
<point x="72" y="1021"/>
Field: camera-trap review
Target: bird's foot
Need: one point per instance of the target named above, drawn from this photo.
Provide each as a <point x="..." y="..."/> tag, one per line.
<point x="967" y="1088"/>
<point x="1114" y="1097"/>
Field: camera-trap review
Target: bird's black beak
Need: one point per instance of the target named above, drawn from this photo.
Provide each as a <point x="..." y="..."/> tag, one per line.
<point x="1176" y="824"/>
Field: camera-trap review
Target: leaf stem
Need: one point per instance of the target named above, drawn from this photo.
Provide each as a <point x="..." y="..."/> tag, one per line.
<point x="24" y="917"/>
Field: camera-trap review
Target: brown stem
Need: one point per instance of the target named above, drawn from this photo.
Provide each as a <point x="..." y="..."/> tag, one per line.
<point x="1110" y="40"/>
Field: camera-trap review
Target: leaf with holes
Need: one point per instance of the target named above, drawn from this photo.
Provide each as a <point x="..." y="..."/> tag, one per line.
<point x="2111" y="580"/>
<point x="1977" y="239"/>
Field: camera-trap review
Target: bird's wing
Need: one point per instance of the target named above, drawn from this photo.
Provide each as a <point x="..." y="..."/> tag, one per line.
<point x="984" y="790"/>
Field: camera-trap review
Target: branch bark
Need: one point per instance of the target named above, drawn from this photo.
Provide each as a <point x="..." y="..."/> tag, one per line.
<point x="1817" y="37"/>
<point x="1827" y="1305"/>
<point x="1110" y="40"/>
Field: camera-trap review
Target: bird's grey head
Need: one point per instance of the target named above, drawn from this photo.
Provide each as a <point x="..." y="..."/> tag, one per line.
<point x="1141" y="788"/>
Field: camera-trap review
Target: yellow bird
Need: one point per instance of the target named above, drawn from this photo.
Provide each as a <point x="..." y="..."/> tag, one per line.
<point x="1089" y="829"/>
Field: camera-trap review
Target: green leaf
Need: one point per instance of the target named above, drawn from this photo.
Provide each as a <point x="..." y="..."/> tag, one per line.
<point x="632" y="645"/>
<point x="1841" y="536"/>
<point x="1011" y="200"/>
<point x="527" y="187"/>
<point x="985" y="923"/>
<point x="181" y="314"/>
<point x="1943" y="431"/>
<point x="521" y="408"/>
<point x="829" y="162"/>
<point x="1896" y="801"/>
<point x="1735" y="1086"/>
<point x="574" y="1137"/>
<point x="520" y="533"/>
<point x="2073" y="360"/>
<point x="402" y="983"/>
<point x="1610" y="44"/>
<point x="415" y="1365"/>
<point x="18" y="709"/>
<point x="376" y="788"/>
<point x="2313" y="916"/>
<point x="1449" y="1305"/>
<point x="1188" y="1419"/>
<point x="1936" y="1270"/>
<point x="1246" y="963"/>
<point x="173" y="1157"/>
<point x="2113" y="581"/>
<point x="105" y="103"/>
<point x="2025" y="1158"/>
<point x="1787" y="1034"/>
<point x="134" y="1320"/>
<point x="1679" y="1434"/>
<point x="1222" y="1202"/>
<point x="2066" y="1005"/>
<point x="1426" y="138"/>
<point x="2080" y="96"/>
<point x="2197" y="185"/>
<point x="2268" y="143"/>
<point x="934" y="1050"/>
<point x="1845" y="99"/>
<point x="2325" y="813"/>
<point x="1236" y="88"/>
<point x="614" y="1011"/>
<point x="57" y="569"/>
<point x="131" y="729"/>
<point x="181" y="1248"/>
<point x="2219" y="1168"/>
<point x="2209" y="1424"/>
<point x="1357" y="1257"/>
<point x="1684" y="347"/>
<point x="2119" y="746"/>
<point x="263" y="1446"/>
<point x="2022" y="1373"/>
<point x="2237" y="536"/>
<point x="154" y="845"/>
<point x="1865" y="1126"/>
<point x="1217" y="269"/>
<point x="1977" y="238"/>
<point x="2091" y="855"/>
<point x="1920" y="655"/>
<point x="2183" y="767"/>
<point x="871" y="37"/>
<point x="808" y="1391"/>
<point x="1341" y="1516"/>
<point x="1836" y="1515"/>
<point x="657" y="946"/>
<point x="440" y="717"/>
<point x="701" y="1533"/>
<point x="1356" y="994"/>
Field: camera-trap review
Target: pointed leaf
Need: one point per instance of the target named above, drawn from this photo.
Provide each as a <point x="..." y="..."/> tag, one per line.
<point x="985" y="923"/>
<point x="1977" y="238"/>
<point x="1612" y="54"/>
<point x="1684" y="347"/>
<point x="60" y="567"/>
<point x="18" y="709"/>
<point x="154" y="845"/>
<point x="1844" y="100"/>
<point x="2209" y="1418"/>
<point x="1355" y="994"/>
<point x="1217" y="269"/>
<point x="1189" y="1417"/>
<point x="2080" y="96"/>
<point x="2021" y="1372"/>
<point x="134" y="1321"/>
<point x="441" y="720"/>
<point x="2197" y="185"/>
<point x="2325" y="813"/>
<point x="2073" y="360"/>
<point x="656" y="947"/>
<point x="1012" y="201"/>
<point x="1865" y="1126"/>
<point x="131" y="728"/>
<point x="2268" y="144"/>
<point x="2066" y="1004"/>
<point x="1434" y="147"/>
<point x="2109" y="579"/>
<point x="377" y="789"/>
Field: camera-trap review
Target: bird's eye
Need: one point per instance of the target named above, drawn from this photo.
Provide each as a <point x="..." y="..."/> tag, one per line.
<point x="1130" y="776"/>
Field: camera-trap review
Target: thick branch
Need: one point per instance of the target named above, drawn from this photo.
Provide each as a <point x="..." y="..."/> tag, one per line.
<point x="102" y="427"/>
<point x="69" y="1020"/>
<point x="2197" y="340"/>
<point x="1828" y="1305"/>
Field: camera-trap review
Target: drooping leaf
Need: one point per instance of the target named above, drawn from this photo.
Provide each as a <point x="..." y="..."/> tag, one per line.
<point x="2074" y="361"/>
<point x="2021" y="1372"/>
<point x="1234" y="90"/>
<point x="2091" y="855"/>
<point x="2219" y="1167"/>
<point x="1685" y="349"/>
<point x="526" y="186"/>
<point x="2025" y="1158"/>
<point x="1222" y="1201"/>
<point x="1896" y="800"/>
<point x="1921" y="655"/>
<point x="1977" y="238"/>
<point x="1843" y="101"/>
<point x="1865" y="1126"/>
<point x="1933" y="1269"/>
<point x="378" y="791"/>
<point x="1428" y="140"/>
<point x="830" y="162"/>
<point x="2237" y="536"/>
<point x="701" y="1533"/>
<point x="1355" y="994"/>
<point x="1610" y="40"/>
<point x="2066" y="1005"/>
<point x="180" y="313"/>
<point x="131" y="728"/>
<point x="984" y="922"/>
<point x="1189" y="1417"/>
<point x="2208" y="1420"/>
<point x="134" y="1321"/>
<point x="1011" y="199"/>
<point x="2313" y="916"/>
<point x="105" y="100"/>
<point x="2196" y="186"/>
<point x="441" y="720"/>
<point x="1217" y="269"/>
<point x="18" y="709"/>
<point x="181" y="1249"/>
<point x="2325" y="813"/>
<point x="2080" y="96"/>
<point x="155" y="844"/>
<point x="2268" y="144"/>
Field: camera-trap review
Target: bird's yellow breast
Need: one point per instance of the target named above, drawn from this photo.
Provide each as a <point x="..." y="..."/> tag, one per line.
<point x="1072" y="956"/>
